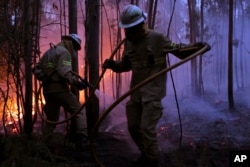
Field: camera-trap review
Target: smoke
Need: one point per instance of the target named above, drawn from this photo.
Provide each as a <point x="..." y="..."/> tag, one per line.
<point x="115" y="121"/>
<point x="205" y="119"/>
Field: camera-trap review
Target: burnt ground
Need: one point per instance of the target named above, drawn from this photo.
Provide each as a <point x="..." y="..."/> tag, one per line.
<point x="205" y="142"/>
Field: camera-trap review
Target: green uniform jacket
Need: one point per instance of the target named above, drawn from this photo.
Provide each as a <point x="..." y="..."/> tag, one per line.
<point x="145" y="58"/>
<point x="58" y="63"/>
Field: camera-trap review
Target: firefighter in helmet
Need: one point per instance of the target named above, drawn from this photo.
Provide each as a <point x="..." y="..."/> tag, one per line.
<point x="145" y="54"/>
<point x="57" y="64"/>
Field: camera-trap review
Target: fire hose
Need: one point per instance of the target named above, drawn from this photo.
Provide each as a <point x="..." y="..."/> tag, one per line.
<point x="115" y="103"/>
<point x="93" y="88"/>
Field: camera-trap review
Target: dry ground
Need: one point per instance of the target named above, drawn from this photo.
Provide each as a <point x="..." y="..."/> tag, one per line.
<point x="205" y="142"/>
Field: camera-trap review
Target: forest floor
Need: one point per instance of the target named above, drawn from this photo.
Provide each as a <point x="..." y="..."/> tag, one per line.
<point x="205" y="142"/>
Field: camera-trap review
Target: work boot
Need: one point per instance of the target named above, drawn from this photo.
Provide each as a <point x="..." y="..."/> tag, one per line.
<point x="152" y="163"/>
<point x="81" y="142"/>
<point x="140" y="161"/>
<point x="144" y="161"/>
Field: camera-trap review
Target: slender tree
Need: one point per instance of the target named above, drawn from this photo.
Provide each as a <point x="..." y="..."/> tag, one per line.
<point x="72" y="10"/>
<point x="242" y="66"/>
<point x="27" y="36"/>
<point x="192" y="37"/>
<point x="136" y="2"/>
<point x="200" y="74"/>
<point x="92" y="57"/>
<point x="152" y="8"/>
<point x="230" y="57"/>
<point x="73" y="29"/>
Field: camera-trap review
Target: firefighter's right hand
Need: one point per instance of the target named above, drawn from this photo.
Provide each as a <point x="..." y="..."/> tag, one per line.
<point x="108" y="64"/>
<point x="202" y="44"/>
<point x="83" y="84"/>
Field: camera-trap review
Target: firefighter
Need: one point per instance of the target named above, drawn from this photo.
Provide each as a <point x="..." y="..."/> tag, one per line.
<point x="144" y="54"/>
<point x="56" y="63"/>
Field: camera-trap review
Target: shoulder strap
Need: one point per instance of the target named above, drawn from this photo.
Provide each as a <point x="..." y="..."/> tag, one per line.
<point x="52" y="45"/>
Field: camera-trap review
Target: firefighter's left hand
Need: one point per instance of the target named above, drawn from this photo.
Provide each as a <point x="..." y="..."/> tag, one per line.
<point x="108" y="64"/>
<point x="83" y="84"/>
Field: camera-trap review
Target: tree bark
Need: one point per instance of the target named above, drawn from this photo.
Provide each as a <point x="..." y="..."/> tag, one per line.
<point x="28" y="60"/>
<point x="194" y="76"/>
<point x="73" y="29"/>
<point x="92" y="57"/>
<point x="200" y="84"/>
<point x="230" y="57"/>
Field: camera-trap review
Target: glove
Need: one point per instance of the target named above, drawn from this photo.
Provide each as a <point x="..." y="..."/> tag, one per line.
<point x="109" y="64"/>
<point x="202" y="44"/>
<point x="199" y="44"/>
<point x="186" y="50"/>
<point x="83" y="84"/>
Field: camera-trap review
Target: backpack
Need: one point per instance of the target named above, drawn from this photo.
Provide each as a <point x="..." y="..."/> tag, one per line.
<point x="39" y="70"/>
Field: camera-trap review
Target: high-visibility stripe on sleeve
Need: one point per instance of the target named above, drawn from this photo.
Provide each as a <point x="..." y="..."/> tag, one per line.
<point x="173" y="45"/>
<point x="66" y="63"/>
<point x="50" y="65"/>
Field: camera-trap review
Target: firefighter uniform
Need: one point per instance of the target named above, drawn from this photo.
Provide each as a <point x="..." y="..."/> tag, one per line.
<point x="145" y="55"/>
<point x="145" y="58"/>
<point x="56" y="89"/>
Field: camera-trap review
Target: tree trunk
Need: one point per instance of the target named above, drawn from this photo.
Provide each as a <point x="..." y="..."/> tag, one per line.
<point x="230" y="57"/>
<point x="194" y="78"/>
<point x="28" y="60"/>
<point x="152" y="8"/>
<point x="242" y="74"/>
<point x="150" y="13"/>
<point x="92" y="57"/>
<point x="136" y="2"/>
<point x="200" y="84"/>
<point x="36" y="46"/>
<point x="73" y="29"/>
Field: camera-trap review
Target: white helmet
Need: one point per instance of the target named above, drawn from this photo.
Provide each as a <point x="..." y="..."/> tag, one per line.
<point x="75" y="38"/>
<point x="131" y="16"/>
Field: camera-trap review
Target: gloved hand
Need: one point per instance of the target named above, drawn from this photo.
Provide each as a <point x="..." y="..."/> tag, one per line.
<point x="186" y="50"/>
<point x="202" y="44"/>
<point x="109" y="64"/>
<point x="83" y="84"/>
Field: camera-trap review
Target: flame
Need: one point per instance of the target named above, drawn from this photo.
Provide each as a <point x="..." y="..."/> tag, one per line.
<point x="14" y="114"/>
